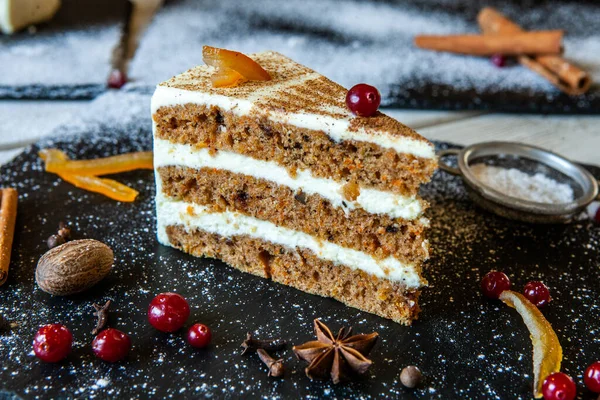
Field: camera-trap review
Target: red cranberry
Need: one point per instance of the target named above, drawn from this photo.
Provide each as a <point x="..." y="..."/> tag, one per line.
<point x="537" y="293"/>
<point x="494" y="283"/>
<point x="363" y="100"/>
<point x="597" y="216"/>
<point x="559" y="386"/>
<point x="498" y="60"/>
<point x="591" y="378"/>
<point x="199" y="335"/>
<point x="168" y="312"/>
<point x="117" y="79"/>
<point x="111" y="345"/>
<point x="52" y="343"/>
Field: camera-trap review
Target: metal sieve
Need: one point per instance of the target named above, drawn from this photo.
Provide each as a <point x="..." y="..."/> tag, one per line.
<point x="528" y="159"/>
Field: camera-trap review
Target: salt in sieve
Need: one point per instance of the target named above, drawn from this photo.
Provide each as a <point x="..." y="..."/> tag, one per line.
<point x="529" y="159"/>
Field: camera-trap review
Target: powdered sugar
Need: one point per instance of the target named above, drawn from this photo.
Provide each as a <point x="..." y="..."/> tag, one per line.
<point x="102" y="382"/>
<point x="518" y="184"/>
<point x="68" y="58"/>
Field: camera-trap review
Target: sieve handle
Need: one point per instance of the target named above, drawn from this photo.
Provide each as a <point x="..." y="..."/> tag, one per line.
<point x="443" y="165"/>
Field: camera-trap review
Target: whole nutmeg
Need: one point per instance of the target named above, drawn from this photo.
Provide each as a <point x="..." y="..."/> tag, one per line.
<point x="73" y="267"/>
<point x="411" y="376"/>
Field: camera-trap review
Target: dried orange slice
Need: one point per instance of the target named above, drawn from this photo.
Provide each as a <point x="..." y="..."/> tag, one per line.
<point x="57" y="164"/>
<point x="547" y="352"/>
<point x="242" y="64"/>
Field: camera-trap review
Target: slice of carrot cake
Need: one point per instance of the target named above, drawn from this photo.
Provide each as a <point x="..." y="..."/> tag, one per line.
<point x="273" y="174"/>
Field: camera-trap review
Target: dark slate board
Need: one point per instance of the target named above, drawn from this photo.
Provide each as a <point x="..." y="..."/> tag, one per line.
<point x="348" y="41"/>
<point x="467" y="346"/>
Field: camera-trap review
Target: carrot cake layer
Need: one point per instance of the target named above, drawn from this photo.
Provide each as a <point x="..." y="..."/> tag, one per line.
<point x="303" y="269"/>
<point x="223" y="190"/>
<point x="346" y="195"/>
<point x="228" y="223"/>
<point x="366" y="163"/>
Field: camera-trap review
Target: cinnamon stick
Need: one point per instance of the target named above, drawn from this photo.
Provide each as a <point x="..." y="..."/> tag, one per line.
<point x="562" y="74"/>
<point x="8" y="216"/>
<point x="516" y="43"/>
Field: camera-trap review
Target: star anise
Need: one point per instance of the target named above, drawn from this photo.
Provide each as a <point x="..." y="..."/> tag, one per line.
<point x="339" y="357"/>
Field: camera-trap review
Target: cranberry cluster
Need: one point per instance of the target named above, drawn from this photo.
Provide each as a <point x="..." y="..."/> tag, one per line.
<point x="168" y="312"/>
<point x="559" y="386"/>
<point x="556" y="386"/>
<point x="52" y="343"/>
<point x="495" y="282"/>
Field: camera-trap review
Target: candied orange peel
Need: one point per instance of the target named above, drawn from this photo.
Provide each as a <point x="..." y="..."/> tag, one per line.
<point x="102" y="166"/>
<point x="108" y="187"/>
<point x="226" y="77"/>
<point x="547" y="352"/>
<point x="83" y="173"/>
<point x="233" y="67"/>
<point x="53" y="155"/>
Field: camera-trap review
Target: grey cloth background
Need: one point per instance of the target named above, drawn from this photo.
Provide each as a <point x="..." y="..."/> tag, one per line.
<point x="349" y="41"/>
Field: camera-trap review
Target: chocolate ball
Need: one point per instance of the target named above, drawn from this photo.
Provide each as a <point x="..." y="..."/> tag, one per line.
<point x="411" y="376"/>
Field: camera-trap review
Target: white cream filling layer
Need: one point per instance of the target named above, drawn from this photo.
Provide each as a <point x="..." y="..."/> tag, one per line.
<point x="336" y="128"/>
<point x="373" y="201"/>
<point x="228" y="224"/>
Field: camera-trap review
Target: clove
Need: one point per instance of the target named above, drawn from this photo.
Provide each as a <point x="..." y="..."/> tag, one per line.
<point x="62" y="236"/>
<point x="252" y="344"/>
<point x="64" y="231"/>
<point x="102" y="314"/>
<point x="276" y="367"/>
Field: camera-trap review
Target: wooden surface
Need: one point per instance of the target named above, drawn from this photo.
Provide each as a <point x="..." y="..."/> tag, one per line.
<point x="575" y="137"/>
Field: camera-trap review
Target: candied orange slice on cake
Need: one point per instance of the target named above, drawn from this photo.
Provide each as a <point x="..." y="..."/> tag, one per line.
<point x="547" y="352"/>
<point x="227" y="77"/>
<point x="225" y="60"/>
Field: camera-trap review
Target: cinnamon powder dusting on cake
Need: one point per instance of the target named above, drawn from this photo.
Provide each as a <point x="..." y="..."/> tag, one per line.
<point x="295" y="89"/>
